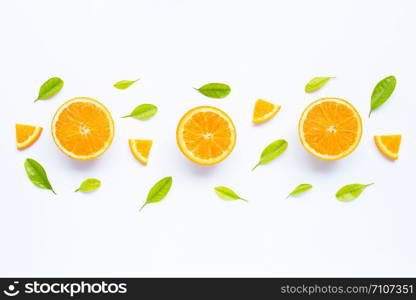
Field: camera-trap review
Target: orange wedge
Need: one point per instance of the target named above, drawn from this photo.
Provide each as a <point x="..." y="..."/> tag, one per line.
<point x="389" y="145"/>
<point x="264" y="111"/>
<point x="330" y="128"/>
<point x="206" y="135"/>
<point x="83" y="128"/>
<point x="141" y="149"/>
<point x="26" y="135"/>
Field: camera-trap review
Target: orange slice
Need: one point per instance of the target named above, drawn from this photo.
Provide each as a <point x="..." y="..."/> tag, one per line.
<point x="141" y="149"/>
<point x="389" y="145"/>
<point x="83" y="128"/>
<point x="264" y="111"/>
<point x="26" y="135"/>
<point x="206" y="135"/>
<point x="330" y="128"/>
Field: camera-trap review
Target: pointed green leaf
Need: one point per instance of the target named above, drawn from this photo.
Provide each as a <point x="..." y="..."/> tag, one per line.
<point x="88" y="185"/>
<point x="37" y="174"/>
<point x="316" y="83"/>
<point x="272" y="151"/>
<point x="124" y="84"/>
<point x="227" y="194"/>
<point x="143" y="111"/>
<point x="382" y="92"/>
<point x="158" y="191"/>
<point x="215" y="90"/>
<point x="50" y="88"/>
<point x="301" y="188"/>
<point x="351" y="191"/>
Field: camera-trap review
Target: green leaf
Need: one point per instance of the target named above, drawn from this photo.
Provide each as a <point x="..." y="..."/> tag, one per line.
<point x="382" y="92"/>
<point x="351" y="191"/>
<point x="227" y="194"/>
<point x="215" y="90"/>
<point x="158" y="191"/>
<point x="37" y="174"/>
<point x="88" y="185"/>
<point x="316" y="83"/>
<point x="143" y="111"/>
<point x="301" y="188"/>
<point x="124" y="84"/>
<point x="271" y="152"/>
<point x="50" y="88"/>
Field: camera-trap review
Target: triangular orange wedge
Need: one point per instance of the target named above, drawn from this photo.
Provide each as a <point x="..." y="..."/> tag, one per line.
<point x="206" y="135"/>
<point x="83" y="128"/>
<point x="264" y="111"/>
<point x="330" y="128"/>
<point x="141" y="149"/>
<point x="389" y="145"/>
<point x="26" y="135"/>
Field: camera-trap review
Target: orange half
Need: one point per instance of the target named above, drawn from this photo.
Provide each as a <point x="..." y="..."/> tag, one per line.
<point x="330" y="128"/>
<point x="389" y="145"/>
<point x="264" y="111"/>
<point x="26" y="135"/>
<point x="206" y="135"/>
<point x="83" y="128"/>
<point x="141" y="149"/>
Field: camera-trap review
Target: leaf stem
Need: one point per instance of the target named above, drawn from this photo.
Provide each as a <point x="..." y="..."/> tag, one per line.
<point x="143" y="206"/>
<point x="255" y="167"/>
<point x="126" y="116"/>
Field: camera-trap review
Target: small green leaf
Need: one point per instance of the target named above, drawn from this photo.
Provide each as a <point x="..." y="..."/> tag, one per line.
<point x="351" y="191"/>
<point x="215" y="90"/>
<point x="89" y="184"/>
<point x="37" y="174"/>
<point x="50" y="88"/>
<point x="301" y="188"/>
<point x="124" y="84"/>
<point x="382" y="92"/>
<point x="158" y="191"/>
<point x="227" y="194"/>
<point x="316" y="83"/>
<point x="271" y="152"/>
<point x="143" y="111"/>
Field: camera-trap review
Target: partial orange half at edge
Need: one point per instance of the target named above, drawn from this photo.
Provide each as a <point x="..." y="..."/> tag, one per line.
<point x="206" y="135"/>
<point x="141" y="149"/>
<point x="389" y="145"/>
<point x="26" y="135"/>
<point x="330" y="128"/>
<point x="264" y="111"/>
<point x="83" y="128"/>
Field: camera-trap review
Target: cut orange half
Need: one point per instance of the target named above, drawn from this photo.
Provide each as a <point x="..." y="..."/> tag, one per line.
<point x="264" y="111"/>
<point x="330" y="128"/>
<point x="206" y="135"/>
<point x="83" y="128"/>
<point x="389" y="145"/>
<point x="26" y="135"/>
<point x="141" y="149"/>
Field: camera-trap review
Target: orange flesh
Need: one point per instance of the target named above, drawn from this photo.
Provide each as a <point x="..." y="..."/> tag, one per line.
<point x="206" y="136"/>
<point x="332" y="129"/>
<point x="25" y="135"/>
<point x="263" y="108"/>
<point x="83" y="129"/>
<point x="389" y="144"/>
<point x="142" y="147"/>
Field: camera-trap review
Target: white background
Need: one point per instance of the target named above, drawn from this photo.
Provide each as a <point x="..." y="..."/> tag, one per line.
<point x="263" y="49"/>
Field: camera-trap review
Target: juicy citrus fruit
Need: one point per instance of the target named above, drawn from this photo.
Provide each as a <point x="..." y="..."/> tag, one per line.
<point x="26" y="135"/>
<point x="83" y="128"/>
<point x="206" y="135"/>
<point x="141" y="149"/>
<point x="330" y="128"/>
<point x="264" y="111"/>
<point x="389" y="145"/>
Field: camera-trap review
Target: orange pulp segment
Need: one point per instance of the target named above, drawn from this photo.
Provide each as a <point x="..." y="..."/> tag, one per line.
<point x="26" y="135"/>
<point x="389" y="145"/>
<point x="264" y="111"/>
<point x="141" y="149"/>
